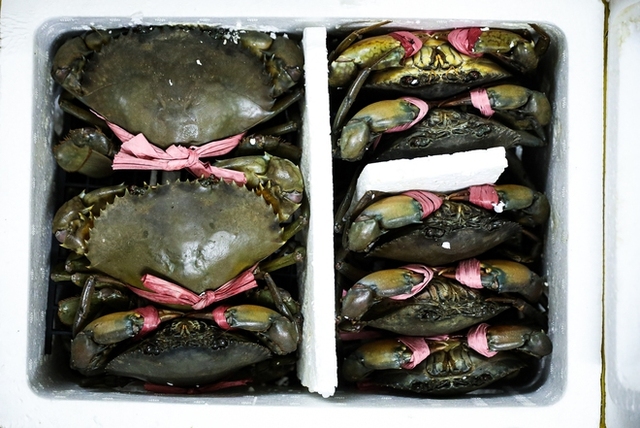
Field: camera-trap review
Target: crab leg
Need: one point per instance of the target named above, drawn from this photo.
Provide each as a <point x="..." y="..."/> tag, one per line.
<point x="498" y="338"/>
<point x="91" y="348"/>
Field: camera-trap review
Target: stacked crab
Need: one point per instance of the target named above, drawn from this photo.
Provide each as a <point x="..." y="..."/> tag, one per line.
<point x="174" y="267"/>
<point x="439" y="294"/>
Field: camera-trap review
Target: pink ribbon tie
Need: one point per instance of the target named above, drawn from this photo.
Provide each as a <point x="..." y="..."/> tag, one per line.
<point x="420" y="269"/>
<point x="478" y="341"/>
<point x="169" y="389"/>
<point x="423" y="109"/>
<point x="151" y="320"/>
<point x="419" y="347"/>
<point x="480" y="100"/>
<point x="137" y="152"/>
<point x="168" y="293"/>
<point x="220" y="318"/>
<point x="409" y="41"/>
<point x="468" y="273"/>
<point x="428" y="201"/>
<point x="484" y="196"/>
<point x="464" y="40"/>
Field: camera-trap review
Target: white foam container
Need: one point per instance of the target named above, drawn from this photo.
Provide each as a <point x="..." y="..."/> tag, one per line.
<point x="622" y="247"/>
<point x="35" y="393"/>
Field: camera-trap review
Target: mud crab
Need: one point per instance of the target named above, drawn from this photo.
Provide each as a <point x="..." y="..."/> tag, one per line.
<point x="515" y="110"/>
<point x="447" y="365"/>
<point x="416" y="300"/>
<point x="191" y="87"/>
<point x="189" y="350"/>
<point x="422" y="227"/>
<point x="435" y="64"/>
<point x="221" y="229"/>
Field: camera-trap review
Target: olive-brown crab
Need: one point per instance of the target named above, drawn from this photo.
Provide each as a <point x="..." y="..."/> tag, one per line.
<point x="188" y="86"/>
<point x="447" y="365"/>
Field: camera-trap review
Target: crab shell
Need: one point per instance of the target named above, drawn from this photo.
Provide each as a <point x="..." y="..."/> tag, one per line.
<point x="176" y="85"/>
<point x="455" y="231"/>
<point x="446" y="131"/>
<point x="451" y="371"/>
<point x="445" y="306"/>
<point x="186" y="353"/>
<point x="198" y="234"/>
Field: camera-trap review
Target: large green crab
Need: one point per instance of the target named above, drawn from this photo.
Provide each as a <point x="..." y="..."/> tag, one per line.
<point x="198" y="234"/>
<point x="187" y="86"/>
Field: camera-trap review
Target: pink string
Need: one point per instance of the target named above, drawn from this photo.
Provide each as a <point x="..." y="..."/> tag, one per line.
<point x="423" y="110"/>
<point x="477" y="340"/>
<point x="151" y="319"/>
<point x="468" y="273"/>
<point x="409" y="41"/>
<point x="219" y="318"/>
<point x="137" y="152"/>
<point x="419" y="347"/>
<point x="480" y="100"/>
<point x="464" y="40"/>
<point x="168" y="293"/>
<point x="428" y="201"/>
<point x="169" y="389"/>
<point x="484" y="196"/>
<point x="420" y="269"/>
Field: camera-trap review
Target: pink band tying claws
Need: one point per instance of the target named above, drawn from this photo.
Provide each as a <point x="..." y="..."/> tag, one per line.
<point x="151" y="319"/>
<point x="484" y="196"/>
<point x="477" y="340"/>
<point x="423" y="109"/>
<point x="480" y="100"/>
<point x="137" y="152"/>
<point x="410" y="43"/>
<point x="428" y="201"/>
<point x="220" y="318"/>
<point x="464" y="40"/>
<point x="427" y="275"/>
<point x="419" y="347"/>
<point x="168" y="293"/>
<point x="468" y="273"/>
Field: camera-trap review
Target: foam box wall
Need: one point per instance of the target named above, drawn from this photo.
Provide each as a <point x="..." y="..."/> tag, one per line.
<point x="35" y="389"/>
<point x="622" y="321"/>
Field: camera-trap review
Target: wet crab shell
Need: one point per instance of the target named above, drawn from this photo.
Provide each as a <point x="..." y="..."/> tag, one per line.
<point x="455" y="231"/>
<point x="186" y="353"/>
<point x="450" y="372"/>
<point x="444" y="307"/>
<point x="187" y="85"/>
<point x="198" y="234"/>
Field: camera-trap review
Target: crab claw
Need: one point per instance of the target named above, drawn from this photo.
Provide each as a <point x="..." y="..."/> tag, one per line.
<point x="517" y="106"/>
<point x="87" y="151"/>
<point x="91" y="348"/>
<point x="74" y="219"/>
<point x="388" y="213"/>
<point x="376" y="286"/>
<point x="529" y="207"/>
<point x="525" y="339"/>
<point x="279" y="333"/>
<point x="278" y="180"/>
<point x="376" y="355"/>
<point x="373" y="120"/>
<point x="505" y="276"/>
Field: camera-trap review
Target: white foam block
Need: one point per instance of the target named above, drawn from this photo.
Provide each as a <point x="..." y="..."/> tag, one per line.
<point x="439" y="173"/>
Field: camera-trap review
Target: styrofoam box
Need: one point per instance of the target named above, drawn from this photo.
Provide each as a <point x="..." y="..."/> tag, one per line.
<point x="622" y="319"/>
<point x="35" y="392"/>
